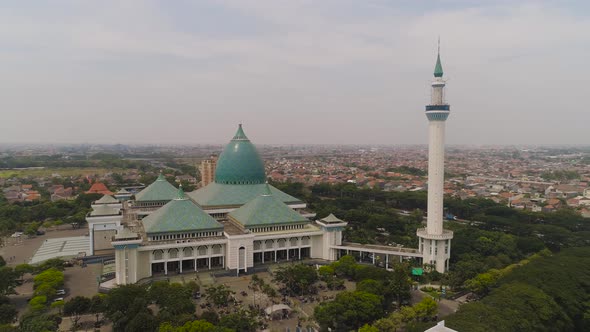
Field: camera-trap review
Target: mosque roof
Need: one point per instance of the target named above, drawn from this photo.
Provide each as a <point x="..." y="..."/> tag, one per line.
<point x="104" y="210"/>
<point x="240" y="163"/>
<point x="179" y="215"/>
<point x="216" y="194"/>
<point x="159" y="190"/>
<point x="106" y="199"/>
<point x="331" y="219"/>
<point x="266" y="209"/>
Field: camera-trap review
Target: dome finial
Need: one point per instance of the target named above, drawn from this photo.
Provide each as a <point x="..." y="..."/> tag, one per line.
<point x="266" y="191"/>
<point x="438" y="71"/>
<point x="240" y="134"/>
<point x="180" y="194"/>
<point x="161" y="177"/>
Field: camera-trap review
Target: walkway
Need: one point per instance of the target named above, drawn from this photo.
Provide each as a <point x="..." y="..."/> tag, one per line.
<point x="379" y="249"/>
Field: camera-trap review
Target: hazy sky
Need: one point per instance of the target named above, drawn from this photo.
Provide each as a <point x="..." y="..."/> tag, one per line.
<point x="316" y="71"/>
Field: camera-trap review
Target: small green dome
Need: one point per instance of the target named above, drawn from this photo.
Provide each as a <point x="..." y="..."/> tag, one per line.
<point x="240" y="163"/>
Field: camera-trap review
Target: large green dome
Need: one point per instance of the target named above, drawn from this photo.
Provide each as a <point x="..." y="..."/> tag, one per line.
<point x="240" y="163"/>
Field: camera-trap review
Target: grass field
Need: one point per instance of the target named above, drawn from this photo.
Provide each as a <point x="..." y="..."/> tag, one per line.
<point x="42" y="172"/>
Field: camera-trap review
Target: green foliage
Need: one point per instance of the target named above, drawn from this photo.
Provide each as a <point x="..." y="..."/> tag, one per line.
<point x="38" y="303"/>
<point x="550" y="293"/>
<point x="407" y="170"/>
<point x="368" y="328"/>
<point x="370" y="286"/>
<point x="297" y="278"/>
<point x="349" y="310"/>
<point x="194" y="326"/>
<point x="7" y="313"/>
<point x="52" y="277"/>
<point x="143" y="321"/>
<point x="46" y="290"/>
<point x="243" y="320"/>
<point x="36" y="322"/>
<point x="7" y="280"/>
<point x="560" y="175"/>
<point x="124" y="303"/>
<point x="173" y="298"/>
<point x="219" y="295"/>
<point x="79" y="305"/>
<point x="53" y="263"/>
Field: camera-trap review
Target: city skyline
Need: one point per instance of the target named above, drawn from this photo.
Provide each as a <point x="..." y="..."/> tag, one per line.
<point x="292" y="73"/>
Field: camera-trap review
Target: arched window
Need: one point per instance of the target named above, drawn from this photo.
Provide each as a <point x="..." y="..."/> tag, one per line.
<point x="305" y="241"/>
<point x="173" y="253"/>
<point x="202" y="250"/>
<point x="293" y="242"/>
<point x="281" y="243"/>
<point x="187" y="252"/>
<point x="269" y="244"/>
<point x="158" y="254"/>
<point x="257" y="245"/>
<point x="217" y="249"/>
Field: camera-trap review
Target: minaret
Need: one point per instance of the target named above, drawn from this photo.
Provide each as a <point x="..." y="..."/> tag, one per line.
<point x="435" y="242"/>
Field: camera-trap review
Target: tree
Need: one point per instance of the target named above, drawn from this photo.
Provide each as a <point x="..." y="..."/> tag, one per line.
<point x="52" y="277"/>
<point x="219" y="295"/>
<point x="46" y="290"/>
<point x="38" y="303"/>
<point x="76" y="307"/>
<point x="173" y="298"/>
<point x="243" y="321"/>
<point x="370" y="286"/>
<point x="297" y="278"/>
<point x="7" y="313"/>
<point x="400" y="283"/>
<point x="58" y="305"/>
<point x="35" y="322"/>
<point x="7" y="280"/>
<point x="426" y="309"/>
<point x="97" y="305"/>
<point x="21" y="269"/>
<point x="368" y="328"/>
<point x="349" y="310"/>
<point x="345" y="266"/>
<point x="144" y="322"/>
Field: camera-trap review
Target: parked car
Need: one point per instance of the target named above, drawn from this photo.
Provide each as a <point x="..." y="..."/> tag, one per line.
<point x="60" y="292"/>
<point x="58" y="299"/>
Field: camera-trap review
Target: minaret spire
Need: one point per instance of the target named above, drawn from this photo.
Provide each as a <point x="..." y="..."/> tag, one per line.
<point x="438" y="71"/>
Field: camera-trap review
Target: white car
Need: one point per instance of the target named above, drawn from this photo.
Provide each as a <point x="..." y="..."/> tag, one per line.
<point x="58" y="299"/>
<point x="60" y="292"/>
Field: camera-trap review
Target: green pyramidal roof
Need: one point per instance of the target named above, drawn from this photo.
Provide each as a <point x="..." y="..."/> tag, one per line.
<point x="159" y="190"/>
<point x="179" y="215"/>
<point x="219" y="195"/>
<point x="240" y="163"/>
<point x="438" y="71"/>
<point x="266" y="209"/>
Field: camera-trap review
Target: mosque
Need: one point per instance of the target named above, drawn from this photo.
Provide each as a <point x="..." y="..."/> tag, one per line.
<point x="239" y="221"/>
<point x="234" y="223"/>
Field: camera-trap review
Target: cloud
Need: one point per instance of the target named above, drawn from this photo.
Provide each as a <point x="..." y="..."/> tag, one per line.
<point x="334" y="71"/>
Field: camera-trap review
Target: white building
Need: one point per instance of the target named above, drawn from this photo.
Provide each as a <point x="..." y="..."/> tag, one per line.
<point x="234" y="223"/>
<point x="434" y="240"/>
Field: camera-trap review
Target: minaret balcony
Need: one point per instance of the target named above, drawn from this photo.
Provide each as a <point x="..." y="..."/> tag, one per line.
<point x="438" y="108"/>
<point x="423" y="233"/>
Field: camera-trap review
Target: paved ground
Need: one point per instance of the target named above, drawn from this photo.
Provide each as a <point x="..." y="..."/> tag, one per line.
<point x="22" y="249"/>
